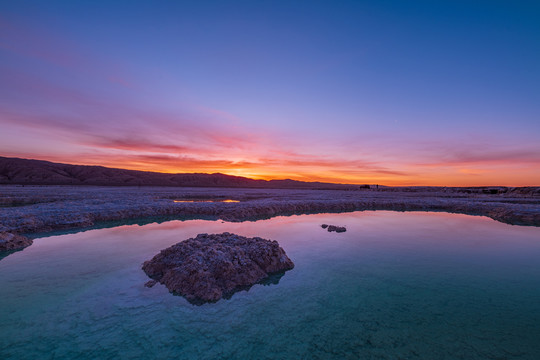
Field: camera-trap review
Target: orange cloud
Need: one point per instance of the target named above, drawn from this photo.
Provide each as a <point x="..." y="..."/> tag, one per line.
<point x="95" y="130"/>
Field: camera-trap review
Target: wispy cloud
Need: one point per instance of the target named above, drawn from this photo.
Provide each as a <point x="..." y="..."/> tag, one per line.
<point x="485" y="154"/>
<point x="87" y="106"/>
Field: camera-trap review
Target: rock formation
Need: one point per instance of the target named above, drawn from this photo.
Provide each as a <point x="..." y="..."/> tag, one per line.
<point x="335" y="228"/>
<point x="9" y="241"/>
<point x="209" y="267"/>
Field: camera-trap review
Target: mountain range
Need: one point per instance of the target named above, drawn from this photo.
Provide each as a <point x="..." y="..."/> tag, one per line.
<point x="40" y="172"/>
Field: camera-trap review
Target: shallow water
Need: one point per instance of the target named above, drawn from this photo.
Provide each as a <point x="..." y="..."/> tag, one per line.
<point x="395" y="285"/>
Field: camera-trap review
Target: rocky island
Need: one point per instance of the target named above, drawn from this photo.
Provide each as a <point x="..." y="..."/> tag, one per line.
<point x="334" y="228"/>
<point x="209" y="267"/>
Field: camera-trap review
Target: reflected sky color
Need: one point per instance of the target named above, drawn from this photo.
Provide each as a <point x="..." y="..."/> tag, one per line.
<point x="437" y="285"/>
<point x="390" y="92"/>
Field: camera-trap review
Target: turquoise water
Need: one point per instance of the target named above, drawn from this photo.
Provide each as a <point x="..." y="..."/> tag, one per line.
<point x="394" y="286"/>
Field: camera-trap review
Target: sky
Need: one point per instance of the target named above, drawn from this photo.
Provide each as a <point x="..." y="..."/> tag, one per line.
<point x="382" y="92"/>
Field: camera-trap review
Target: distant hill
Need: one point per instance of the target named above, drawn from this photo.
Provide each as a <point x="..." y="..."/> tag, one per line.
<point x="39" y="172"/>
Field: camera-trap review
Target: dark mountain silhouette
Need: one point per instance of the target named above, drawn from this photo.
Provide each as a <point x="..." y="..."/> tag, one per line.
<point x="40" y="172"/>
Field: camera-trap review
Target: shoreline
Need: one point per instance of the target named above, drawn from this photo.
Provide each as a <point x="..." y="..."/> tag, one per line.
<point x="39" y="209"/>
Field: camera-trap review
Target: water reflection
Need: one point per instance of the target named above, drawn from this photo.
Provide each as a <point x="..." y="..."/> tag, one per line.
<point x="395" y="285"/>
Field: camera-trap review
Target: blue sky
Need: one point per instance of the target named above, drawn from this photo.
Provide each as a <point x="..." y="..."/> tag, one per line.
<point x="398" y="92"/>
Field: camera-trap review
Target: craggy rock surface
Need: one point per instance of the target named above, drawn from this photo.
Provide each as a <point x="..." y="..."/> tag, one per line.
<point x="33" y="209"/>
<point x="10" y="242"/>
<point x="332" y="228"/>
<point x="209" y="267"/>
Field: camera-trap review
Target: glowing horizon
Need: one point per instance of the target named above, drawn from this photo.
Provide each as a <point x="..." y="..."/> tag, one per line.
<point x="444" y="94"/>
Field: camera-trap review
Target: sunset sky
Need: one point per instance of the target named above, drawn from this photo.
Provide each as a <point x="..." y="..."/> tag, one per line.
<point x="387" y="92"/>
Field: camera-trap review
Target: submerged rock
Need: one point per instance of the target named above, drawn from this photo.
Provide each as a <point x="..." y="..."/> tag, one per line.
<point x="209" y="267"/>
<point x="335" y="228"/>
<point x="9" y="241"/>
<point x="150" y="283"/>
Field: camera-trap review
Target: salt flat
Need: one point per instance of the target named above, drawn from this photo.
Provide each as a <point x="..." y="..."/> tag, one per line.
<point x="33" y="209"/>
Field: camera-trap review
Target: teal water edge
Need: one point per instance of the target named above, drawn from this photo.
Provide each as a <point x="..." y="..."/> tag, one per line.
<point x="394" y="286"/>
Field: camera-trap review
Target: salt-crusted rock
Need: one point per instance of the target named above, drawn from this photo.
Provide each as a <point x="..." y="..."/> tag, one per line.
<point x="9" y="241"/>
<point x="335" y="228"/>
<point x="209" y="267"/>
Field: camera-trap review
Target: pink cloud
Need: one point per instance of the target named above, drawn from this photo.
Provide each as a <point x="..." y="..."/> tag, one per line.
<point x="128" y="133"/>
